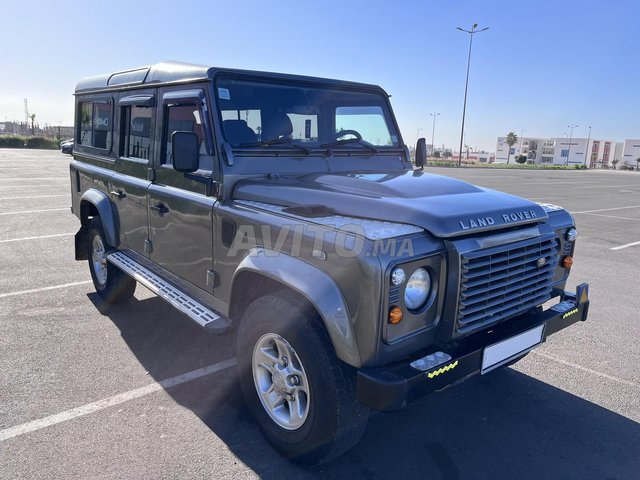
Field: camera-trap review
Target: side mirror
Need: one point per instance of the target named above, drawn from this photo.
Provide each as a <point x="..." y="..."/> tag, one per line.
<point x="185" y="151"/>
<point x="421" y="153"/>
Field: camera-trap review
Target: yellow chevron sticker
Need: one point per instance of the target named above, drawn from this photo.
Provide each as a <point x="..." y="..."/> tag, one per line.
<point x="569" y="313"/>
<point x="446" y="368"/>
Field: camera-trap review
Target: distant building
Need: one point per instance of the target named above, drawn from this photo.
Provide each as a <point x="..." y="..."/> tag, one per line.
<point x="630" y="153"/>
<point x="594" y="153"/>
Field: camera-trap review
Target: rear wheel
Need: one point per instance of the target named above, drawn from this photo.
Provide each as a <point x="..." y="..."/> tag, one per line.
<point x="302" y="396"/>
<point x="111" y="283"/>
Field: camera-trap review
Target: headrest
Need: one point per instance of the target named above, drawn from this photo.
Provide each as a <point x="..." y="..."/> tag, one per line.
<point x="275" y="125"/>
<point x="238" y="132"/>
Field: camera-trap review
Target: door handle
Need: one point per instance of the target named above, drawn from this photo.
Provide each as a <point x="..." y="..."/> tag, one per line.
<point x="118" y="193"/>
<point x="160" y="208"/>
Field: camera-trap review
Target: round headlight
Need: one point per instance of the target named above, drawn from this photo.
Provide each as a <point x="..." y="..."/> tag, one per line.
<point x="398" y="276"/>
<point x="572" y="234"/>
<point x="417" y="290"/>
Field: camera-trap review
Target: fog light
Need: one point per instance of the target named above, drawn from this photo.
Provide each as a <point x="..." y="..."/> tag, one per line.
<point x="567" y="262"/>
<point x="395" y="315"/>
<point x="572" y="233"/>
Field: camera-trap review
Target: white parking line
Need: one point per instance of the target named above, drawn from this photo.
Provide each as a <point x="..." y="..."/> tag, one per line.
<point x="31" y="178"/>
<point x="36" y="238"/>
<point x="585" y="369"/>
<point x="611" y="186"/>
<point x="33" y="196"/>
<point x="36" y="211"/>
<point x="44" y="289"/>
<point x="607" y="209"/>
<point x="633" y="244"/>
<point x="33" y="186"/>
<point x="613" y="216"/>
<point x="114" y="400"/>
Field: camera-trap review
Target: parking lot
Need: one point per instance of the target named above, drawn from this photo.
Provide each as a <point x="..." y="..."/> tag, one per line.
<point x="139" y="391"/>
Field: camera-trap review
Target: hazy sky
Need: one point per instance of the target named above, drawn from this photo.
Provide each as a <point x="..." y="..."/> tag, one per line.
<point x="541" y="66"/>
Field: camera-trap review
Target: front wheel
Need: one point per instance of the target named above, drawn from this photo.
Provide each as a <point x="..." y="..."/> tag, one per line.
<point x="111" y="283"/>
<point x="302" y="396"/>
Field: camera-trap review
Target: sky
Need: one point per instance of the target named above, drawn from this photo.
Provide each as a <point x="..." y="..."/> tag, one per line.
<point x="541" y="66"/>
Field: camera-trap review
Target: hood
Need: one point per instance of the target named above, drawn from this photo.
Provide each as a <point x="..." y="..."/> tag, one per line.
<point x="444" y="206"/>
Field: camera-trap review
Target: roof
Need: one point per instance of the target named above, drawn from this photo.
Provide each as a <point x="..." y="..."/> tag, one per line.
<point x="172" y="72"/>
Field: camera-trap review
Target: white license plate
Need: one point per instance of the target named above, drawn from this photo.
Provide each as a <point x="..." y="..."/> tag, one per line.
<point x="506" y="350"/>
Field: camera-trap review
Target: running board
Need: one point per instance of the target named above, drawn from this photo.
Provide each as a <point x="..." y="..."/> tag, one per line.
<point x="197" y="312"/>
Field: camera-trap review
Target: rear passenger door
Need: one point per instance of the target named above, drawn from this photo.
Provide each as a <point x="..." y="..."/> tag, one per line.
<point x="180" y="211"/>
<point x="130" y="182"/>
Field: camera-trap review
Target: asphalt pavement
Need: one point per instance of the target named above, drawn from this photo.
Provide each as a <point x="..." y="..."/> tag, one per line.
<point x="137" y="391"/>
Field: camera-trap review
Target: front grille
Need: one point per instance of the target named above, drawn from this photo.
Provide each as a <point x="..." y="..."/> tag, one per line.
<point x="501" y="282"/>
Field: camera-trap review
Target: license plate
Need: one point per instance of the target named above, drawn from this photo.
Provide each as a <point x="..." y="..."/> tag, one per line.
<point x="502" y="352"/>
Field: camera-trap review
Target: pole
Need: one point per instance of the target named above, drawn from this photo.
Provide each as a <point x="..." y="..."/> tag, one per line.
<point x="570" y="138"/>
<point x="433" y="133"/>
<point x="585" y="157"/>
<point x="466" y="84"/>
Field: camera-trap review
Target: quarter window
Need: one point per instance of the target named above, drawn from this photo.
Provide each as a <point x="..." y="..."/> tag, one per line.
<point x="138" y="128"/>
<point x="96" y="124"/>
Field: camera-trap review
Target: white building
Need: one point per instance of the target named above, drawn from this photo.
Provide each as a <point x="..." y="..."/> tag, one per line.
<point x="537" y="150"/>
<point x="594" y="153"/>
<point x="630" y="153"/>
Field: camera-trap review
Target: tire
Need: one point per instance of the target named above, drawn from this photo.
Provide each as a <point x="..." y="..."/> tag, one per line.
<point x="111" y="283"/>
<point x="329" y="419"/>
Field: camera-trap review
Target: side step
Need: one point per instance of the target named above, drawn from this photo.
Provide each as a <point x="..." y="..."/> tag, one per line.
<point x="197" y="312"/>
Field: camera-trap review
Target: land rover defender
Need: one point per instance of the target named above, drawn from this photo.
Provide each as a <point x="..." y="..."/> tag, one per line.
<point x="286" y="211"/>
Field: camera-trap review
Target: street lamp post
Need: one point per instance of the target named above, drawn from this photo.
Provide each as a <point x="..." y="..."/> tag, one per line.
<point x="572" y="126"/>
<point x="585" y="157"/>
<point x="418" y="134"/>
<point x="466" y="84"/>
<point x="433" y="133"/>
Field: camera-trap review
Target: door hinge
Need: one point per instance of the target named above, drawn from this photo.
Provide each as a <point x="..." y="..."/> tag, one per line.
<point x="148" y="246"/>
<point x="212" y="278"/>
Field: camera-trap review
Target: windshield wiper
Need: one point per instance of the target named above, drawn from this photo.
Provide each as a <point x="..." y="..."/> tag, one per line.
<point x="277" y="141"/>
<point x="358" y="141"/>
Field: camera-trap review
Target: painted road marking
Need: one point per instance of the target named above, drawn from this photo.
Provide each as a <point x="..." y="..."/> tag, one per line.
<point x="585" y="369"/>
<point x="33" y="196"/>
<point x="36" y="238"/>
<point x="633" y="244"/>
<point x="114" y="400"/>
<point x="611" y="186"/>
<point x="32" y="186"/>
<point x="36" y="211"/>
<point x="31" y="178"/>
<point x="613" y="216"/>
<point x="44" y="289"/>
<point x="607" y="209"/>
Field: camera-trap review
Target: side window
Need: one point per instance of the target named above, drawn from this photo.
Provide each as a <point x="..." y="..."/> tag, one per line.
<point x="183" y="118"/>
<point x="96" y="124"/>
<point x="137" y="127"/>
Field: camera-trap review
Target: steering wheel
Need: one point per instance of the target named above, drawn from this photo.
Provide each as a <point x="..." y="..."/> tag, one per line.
<point x="342" y="133"/>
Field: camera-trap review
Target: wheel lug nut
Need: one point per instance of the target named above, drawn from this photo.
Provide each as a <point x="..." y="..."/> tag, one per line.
<point x="295" y="380"/>
<point x="285" y="361"/>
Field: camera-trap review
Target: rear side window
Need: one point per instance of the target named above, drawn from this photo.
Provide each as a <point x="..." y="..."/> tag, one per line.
<point x="96" y="124"/>
<point x="137" y="124"/>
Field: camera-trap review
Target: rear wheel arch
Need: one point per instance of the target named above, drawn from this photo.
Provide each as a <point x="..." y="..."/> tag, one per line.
<point x="95" y="203"/>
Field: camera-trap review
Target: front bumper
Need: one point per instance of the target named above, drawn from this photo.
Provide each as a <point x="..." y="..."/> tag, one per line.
<point x="392" y="387"/>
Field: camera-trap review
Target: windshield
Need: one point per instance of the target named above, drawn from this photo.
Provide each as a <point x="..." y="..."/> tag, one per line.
<point x="258" y="114"/>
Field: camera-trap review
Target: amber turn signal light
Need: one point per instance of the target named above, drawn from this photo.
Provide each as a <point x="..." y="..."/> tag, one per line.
<point x="567" y="262"/>
<point x="395" y="315"/>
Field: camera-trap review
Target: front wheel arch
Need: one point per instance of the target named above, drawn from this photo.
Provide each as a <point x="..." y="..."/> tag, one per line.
<point x="306" y="280"/>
